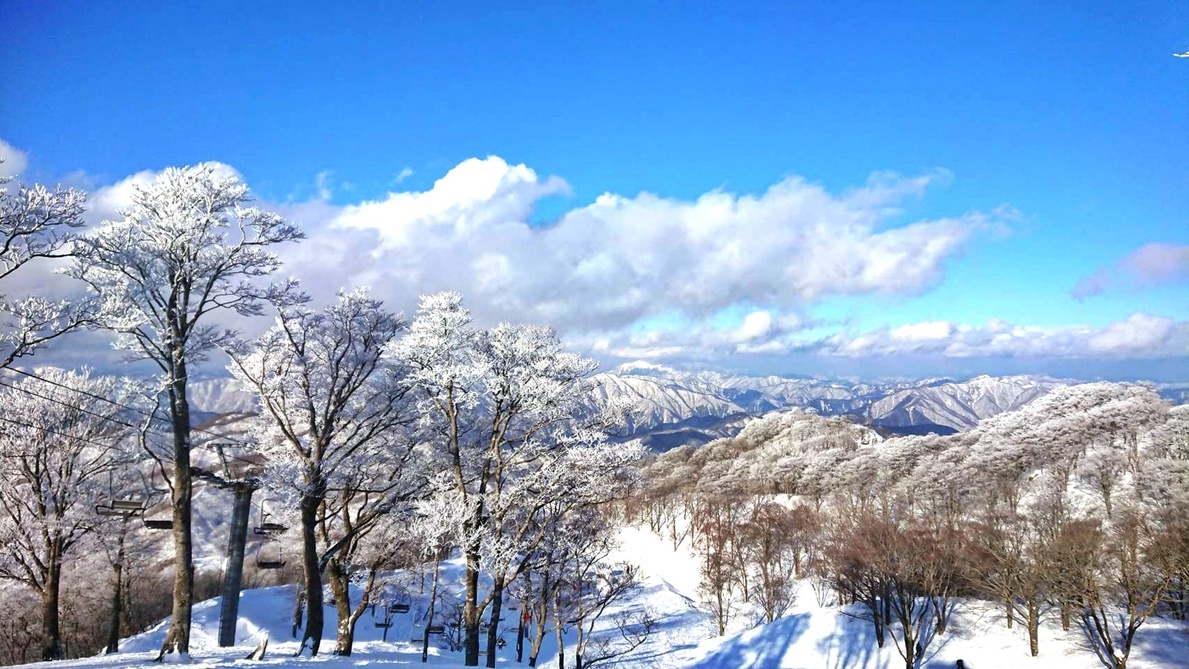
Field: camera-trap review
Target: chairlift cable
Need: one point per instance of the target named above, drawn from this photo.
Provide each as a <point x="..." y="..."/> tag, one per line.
<point x="101" y="417"/>
<point x="55" y="432"/>
<point x="220" y="437"/>
<point x="69" y="405"/>
<point x="142" y="412"/>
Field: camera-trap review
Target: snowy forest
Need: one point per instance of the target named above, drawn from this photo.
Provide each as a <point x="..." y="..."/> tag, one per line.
<point x="383" y="446"/>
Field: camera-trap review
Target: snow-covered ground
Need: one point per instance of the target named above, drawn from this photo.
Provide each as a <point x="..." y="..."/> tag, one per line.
<point x="810" y="636"/>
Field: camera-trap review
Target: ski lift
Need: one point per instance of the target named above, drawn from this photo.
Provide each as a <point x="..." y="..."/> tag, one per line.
<point x="158" y="523"/>
<point x="274" y="561"/>
<point x="127" y="507"/>
<point x="121" y="507"/>
<point x="384" y="623"/>
<point x="268" y="525"/>
<point x="398" y="607"/>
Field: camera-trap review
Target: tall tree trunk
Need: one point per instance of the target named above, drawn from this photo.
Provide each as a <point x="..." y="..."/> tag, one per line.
<point x="340" y="585"/>
<point x="878" y="621"/>
<point x="117" y="600"/>
<point x="51" y="628"/>
<point x="470" y="611"/>
<point x="299" y="605"/>
<point x="497" y="602"/>
<point x="1033" y="627"/>
<point x="177" y="639"/>
<point x="910" y="643"/>
<point x="560" y="629"/>
<point x="539" y="614"/>
<point x="312" y="636"/>
<point x="433" y="602"/>
<point x="340" y="589"/>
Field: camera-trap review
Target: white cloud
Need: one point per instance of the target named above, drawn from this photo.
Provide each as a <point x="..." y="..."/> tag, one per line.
<point x="917" y="332"/>
<point x="618" y="260"/>
<point x="107" y="202"/>
<point x="1150" y="264"/>
<point x="1140" y="335"/>
<point x="15" y="160"/>
<point x="322" y="183"/>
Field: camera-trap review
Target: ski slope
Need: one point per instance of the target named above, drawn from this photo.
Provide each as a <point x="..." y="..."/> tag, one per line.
<point x="811" y="636"/>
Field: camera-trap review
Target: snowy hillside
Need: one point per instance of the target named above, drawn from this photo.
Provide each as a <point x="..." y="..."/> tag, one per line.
<point x="812" y="635"/>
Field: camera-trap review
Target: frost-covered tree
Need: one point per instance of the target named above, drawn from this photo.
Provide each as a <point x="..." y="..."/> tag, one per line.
<point x="35" y="222"/>
<point x="495" y="405"/>
<point x="59" y="443"/>
<point x="332" y="412"/>
<point x="589" y="583"/>
<point x="549" y="486"/>
<point x="188" y="248"/>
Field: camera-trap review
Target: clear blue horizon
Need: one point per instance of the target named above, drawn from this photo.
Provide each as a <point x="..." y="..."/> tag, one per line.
<point x="915" y="188"/>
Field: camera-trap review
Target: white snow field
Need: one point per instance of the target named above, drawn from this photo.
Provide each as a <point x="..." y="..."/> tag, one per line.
<point x="811" y="636"/>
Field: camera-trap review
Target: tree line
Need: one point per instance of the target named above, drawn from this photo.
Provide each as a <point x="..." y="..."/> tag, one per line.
<point x="1074" y="508"/>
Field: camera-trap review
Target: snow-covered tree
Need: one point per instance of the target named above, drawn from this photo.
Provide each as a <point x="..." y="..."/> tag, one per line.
<point x="187" y="248"/>
<point x="35" y="222"/>
<point x="59" y="444"/>
<point x="589" y="582"/>
<point x="332" y="412"/>
<point x="496" y="405"/>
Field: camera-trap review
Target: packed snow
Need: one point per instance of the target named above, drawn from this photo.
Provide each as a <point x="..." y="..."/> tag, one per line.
<point x="812" y="635"/>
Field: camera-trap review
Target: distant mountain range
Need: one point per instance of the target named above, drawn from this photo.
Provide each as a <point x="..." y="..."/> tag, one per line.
<point x="674" y="407"/>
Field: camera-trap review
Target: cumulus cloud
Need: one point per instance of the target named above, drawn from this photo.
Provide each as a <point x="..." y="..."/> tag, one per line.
<point x="1149" y="265"/>
<point x="14" y="160"/>
<point x="622" y="259"/>
<point x="759" y="332"/>
<point x="1140" y="335"/>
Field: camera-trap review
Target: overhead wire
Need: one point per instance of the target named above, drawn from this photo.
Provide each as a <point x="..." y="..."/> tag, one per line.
<point x="203" y="444"/>
<point x="56" y="433"/>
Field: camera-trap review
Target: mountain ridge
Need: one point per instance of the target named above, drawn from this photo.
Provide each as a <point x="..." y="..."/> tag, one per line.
<point x="672" y="407"/>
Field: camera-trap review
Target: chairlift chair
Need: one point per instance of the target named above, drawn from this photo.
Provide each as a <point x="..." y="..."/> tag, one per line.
<point x="268" y="526"/>
<point x="272" y="562"/>
<point x="158" y="523"/>
<point x="398" y="607"/>
<point x="121" y="507"/>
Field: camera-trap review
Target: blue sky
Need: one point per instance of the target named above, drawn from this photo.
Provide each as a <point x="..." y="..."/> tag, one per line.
<point x="1048" y="141"/>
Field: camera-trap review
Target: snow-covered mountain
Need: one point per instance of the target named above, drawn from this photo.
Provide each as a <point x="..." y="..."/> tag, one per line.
<point x="956" y="405"/>
<point x="660" y="401"/>
<point x="220" y="396"/>
<point x="668" y="399"/>
<point x="673" y="407"/>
